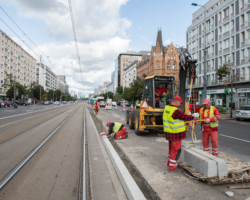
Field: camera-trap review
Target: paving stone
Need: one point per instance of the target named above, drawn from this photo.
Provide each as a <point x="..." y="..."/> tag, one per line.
<point x="221" y="164"/>
<point x="201" y="163"/>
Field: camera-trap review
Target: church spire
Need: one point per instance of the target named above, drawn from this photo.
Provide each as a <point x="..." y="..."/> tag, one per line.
<point x="159" y="38"/>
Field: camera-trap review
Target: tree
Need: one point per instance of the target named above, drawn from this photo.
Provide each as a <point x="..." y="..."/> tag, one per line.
<point x="51" y="95"/>
<point x="57" y="95"/>
<point x="36" y="89"/>
<point x="135" y="91"/>
<point x="119" y="89"/>
<point x="226" y="72"/>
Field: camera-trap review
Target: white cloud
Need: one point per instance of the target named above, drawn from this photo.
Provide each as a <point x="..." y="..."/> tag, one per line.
<point x="100" y="30"/>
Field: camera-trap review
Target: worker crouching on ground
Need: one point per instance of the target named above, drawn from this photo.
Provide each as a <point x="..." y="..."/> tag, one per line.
<point x="175" y="130"/>
<point x="210" y="126"/>
<point x="118" y="128"/>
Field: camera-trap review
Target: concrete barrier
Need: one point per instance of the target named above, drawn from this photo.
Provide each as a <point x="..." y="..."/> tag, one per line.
<point x="205" y="163"/>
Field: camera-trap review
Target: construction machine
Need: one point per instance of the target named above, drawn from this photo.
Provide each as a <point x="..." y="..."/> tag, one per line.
<point x="148" y="118"/>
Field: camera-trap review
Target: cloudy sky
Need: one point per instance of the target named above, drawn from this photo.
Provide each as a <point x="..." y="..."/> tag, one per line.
<point x="104" y="28"/>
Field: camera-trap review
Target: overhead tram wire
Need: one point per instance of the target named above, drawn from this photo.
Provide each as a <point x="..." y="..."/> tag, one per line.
<point x="74" y="33"/>
<point x="42" y="53"/>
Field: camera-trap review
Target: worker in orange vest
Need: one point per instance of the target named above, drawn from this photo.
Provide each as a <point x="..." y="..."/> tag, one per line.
<point x="210" y="126"/>
<point x="96" y="107"/>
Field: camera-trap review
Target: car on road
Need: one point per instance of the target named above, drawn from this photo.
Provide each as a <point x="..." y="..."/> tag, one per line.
<point x="243" y="112"/>
<point x="46" y="103"/>
<point x="57" y="103"/>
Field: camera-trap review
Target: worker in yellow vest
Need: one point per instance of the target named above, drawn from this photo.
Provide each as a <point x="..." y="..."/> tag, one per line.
<point x="210" y="126"/>
<point x="118" y="128"/>
<point x="175" y="130"/>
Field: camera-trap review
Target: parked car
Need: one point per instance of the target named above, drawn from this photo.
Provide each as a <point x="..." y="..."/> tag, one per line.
<point x="113" y="103"/>
<point x="23" y="103"/>
<point x="57" y="103"/>
<point x="243" y="112"/>
<point x="46" y="103"/>
<point x="1" y="104"/>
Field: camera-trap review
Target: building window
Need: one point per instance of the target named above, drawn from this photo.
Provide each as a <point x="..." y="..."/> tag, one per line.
<point x="157" y="65"/>
<point x="227" y="43"/>
<point x="174" y="66"/>
<point x="226" y="12"/>
<point x="171" y="50"/>
<point x="168" y="66"/>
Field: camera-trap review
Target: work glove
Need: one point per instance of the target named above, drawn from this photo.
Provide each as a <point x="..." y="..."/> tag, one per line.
<point x="195" y="115"/>
<point x="207" y="120"/>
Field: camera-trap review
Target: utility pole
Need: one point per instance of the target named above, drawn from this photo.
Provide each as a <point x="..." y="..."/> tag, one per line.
<point x="14" y="89"/>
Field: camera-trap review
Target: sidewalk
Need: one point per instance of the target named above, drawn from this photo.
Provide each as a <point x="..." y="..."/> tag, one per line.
<point x="148" y="154"/>
<point x="226" y="116"/>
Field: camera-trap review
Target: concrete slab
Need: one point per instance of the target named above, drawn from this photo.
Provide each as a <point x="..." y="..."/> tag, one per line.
<point x="202" y="163"/>
<point x="221" y="164"/>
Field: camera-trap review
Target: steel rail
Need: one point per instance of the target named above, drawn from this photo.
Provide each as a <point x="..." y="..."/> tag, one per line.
<point x="84" y="156"/>
<point x="15" y="170"/>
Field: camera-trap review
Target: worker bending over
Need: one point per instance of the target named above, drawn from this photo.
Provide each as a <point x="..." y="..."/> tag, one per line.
<point x="175" y="130"/>
<point x="210" y="126"/>
<point x="96" y="107"/>
<point x="118" y="128"/>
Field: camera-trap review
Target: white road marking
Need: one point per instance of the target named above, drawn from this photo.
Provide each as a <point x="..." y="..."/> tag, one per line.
<point x="235" y="138"/>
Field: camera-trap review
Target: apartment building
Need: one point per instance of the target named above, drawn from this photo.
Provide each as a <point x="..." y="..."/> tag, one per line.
<point x="122" y="61"/>
<point x="45" y="77"/>
<point x="222" y="28"/>
<point x="61" y="83"/>
<point x="129" y="74"/>
<point x="14" y="60"/>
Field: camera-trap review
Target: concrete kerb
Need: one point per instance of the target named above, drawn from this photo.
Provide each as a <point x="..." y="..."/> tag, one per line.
<point x="130" y="187"/>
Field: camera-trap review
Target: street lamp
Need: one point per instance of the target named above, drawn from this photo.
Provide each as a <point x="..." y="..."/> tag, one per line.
<point x="205" y="53"/>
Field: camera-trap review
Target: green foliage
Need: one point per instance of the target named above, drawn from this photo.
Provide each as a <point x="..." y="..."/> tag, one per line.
<point x="135" y="91"/>
<point x="221" y="109"/>
<point x="57" y="95"/>
<point x="20" y="91"/>
<point x="223" y="72"/>
<point x="119" y="90"/>
<point x="108" y="95"/>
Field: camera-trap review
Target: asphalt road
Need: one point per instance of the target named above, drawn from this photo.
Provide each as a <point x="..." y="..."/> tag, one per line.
<point x="10" y="111"/>
<point x="234" y="136"/>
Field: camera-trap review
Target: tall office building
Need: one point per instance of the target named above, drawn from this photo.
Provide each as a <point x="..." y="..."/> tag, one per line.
<point x="221" y="27"/>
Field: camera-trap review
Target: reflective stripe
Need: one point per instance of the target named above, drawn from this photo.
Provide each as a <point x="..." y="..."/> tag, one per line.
<point x="211" y="115"/>
<point x="215" y="119"/>
<point x="206" y="149"/>
<point x="116" y="127"/>
<point x="206" y="124"/>
<point x="175" y="127"/>
<point x="171" y="164"/>
<point x="173" y="161"/>
<point x="217" y="115"/>
<point x="215" y="148"/>
<point x="175" y="122"/>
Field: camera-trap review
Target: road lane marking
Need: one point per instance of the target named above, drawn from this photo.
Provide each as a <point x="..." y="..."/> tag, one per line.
<point x="235" y="138"/>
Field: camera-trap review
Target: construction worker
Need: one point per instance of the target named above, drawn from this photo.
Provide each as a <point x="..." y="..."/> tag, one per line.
<point x="118" y="128"/>
<point x="96" y="107"/>
<point x="175" y="130"/>
<point x="210" y="126"/>
<point x="160" y="95"/>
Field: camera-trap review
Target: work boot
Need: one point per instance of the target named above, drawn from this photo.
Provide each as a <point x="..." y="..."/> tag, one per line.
<point x="172" y="168"/>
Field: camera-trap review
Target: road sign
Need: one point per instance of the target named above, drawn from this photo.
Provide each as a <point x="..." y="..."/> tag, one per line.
<point x="188" y="93"/>
<point x="144" y="105"/>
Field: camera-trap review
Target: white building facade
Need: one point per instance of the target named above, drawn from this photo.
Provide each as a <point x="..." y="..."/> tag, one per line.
<point x="225" y="26"/>
<point x="61" y="83"/>
<point x="14" y="60"/>
<point x="45" y="77"/>
<point x="129" y="74"/>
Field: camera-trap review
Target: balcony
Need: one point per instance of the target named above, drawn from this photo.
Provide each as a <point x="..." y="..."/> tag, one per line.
<point x="225" y="19"/>
<point x="242" y="26"/>
<point x="242" y="61"/>
<point x="226" y="34"/>
<point x="227" y="50"/>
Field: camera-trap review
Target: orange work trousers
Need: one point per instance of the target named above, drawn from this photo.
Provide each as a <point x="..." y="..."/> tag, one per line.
<point x="174" y="154"/>
<point x="120" y="134"/>
<point x="206" y="134"/>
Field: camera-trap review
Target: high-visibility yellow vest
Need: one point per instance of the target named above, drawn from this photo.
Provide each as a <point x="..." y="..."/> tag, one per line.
<point x="211" y="115"/>
<point x="116" y="127"/>
<point x="171" y="125"/>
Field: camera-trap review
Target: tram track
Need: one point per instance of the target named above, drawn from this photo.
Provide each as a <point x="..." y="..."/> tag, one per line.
<point x="63" y="130"/>
<point x="10" y="132"/>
